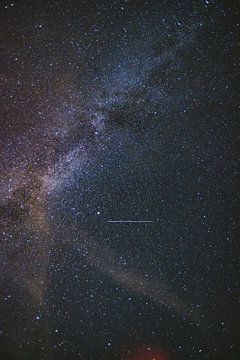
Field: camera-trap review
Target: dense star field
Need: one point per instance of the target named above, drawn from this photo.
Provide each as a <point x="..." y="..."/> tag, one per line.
<point x="119" y="194"/>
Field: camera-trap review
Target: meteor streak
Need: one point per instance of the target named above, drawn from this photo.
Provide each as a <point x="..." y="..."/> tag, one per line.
<point x="130" y="221"/>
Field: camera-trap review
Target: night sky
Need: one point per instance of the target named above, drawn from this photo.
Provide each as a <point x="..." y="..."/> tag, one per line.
<point x="119" y="169"/>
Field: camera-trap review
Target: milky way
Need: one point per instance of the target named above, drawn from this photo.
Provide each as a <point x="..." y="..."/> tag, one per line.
<point x="127" y="111"/>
